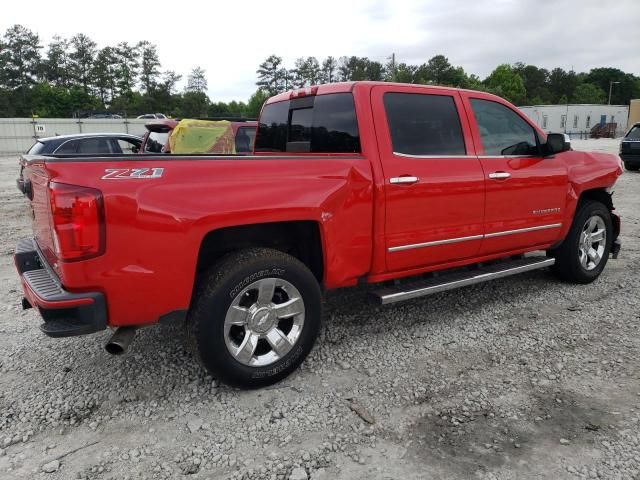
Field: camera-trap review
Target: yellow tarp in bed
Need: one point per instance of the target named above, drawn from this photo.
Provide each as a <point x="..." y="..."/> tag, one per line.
<point x="202" y="136"/>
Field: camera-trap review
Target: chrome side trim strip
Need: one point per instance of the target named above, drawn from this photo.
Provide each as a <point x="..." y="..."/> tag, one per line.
<point x="508" y="156"/>
<point x="432" y="156"/>
<point x="522" y="230"/>
<point x="472" y="237"/>
<point x="434" y="243"/>
<point x="385" y="297"/>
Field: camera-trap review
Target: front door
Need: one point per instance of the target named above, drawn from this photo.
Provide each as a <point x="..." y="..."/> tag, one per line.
<point x="526" y="194"/>
<point x="434" y="184"/>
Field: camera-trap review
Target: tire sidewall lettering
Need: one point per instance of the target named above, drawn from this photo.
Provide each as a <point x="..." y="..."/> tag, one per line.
<point x="277" y="272"/>
<point x="291" y="357"/>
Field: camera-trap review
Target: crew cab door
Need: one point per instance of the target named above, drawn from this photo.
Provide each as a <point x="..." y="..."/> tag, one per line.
<point x="526" y="194"/>
<point x="433" y="181"/>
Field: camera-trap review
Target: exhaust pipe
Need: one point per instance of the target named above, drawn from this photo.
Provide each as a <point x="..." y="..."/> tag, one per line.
<point x="120" y="340"/>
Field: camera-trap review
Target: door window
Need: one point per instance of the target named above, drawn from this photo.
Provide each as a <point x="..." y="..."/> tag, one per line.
<point x="94" y="145"/>
<point x="156" y="142"/>
<point x="126" y="145"/>
<point x="503" y="131"/>
<point x="424" y="125"/>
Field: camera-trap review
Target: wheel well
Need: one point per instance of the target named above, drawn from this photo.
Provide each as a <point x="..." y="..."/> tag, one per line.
<point x="599" y="195"/>
<point x="300" y="239"/>
<point x="602" y="196"/>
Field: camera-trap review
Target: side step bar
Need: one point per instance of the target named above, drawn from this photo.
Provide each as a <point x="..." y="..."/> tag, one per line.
<point x="456" y="279"/>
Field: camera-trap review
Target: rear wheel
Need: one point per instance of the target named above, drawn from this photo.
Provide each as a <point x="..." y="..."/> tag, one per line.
<point x="255" y="317"/>
<point x="584" y="253"/>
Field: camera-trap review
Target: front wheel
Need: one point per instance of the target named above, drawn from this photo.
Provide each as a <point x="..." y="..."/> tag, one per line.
<point x="255" y="317"/>
<point x="584" y="252"/>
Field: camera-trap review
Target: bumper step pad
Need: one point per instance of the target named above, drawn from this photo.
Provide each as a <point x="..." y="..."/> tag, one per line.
<point x="65" y="314"/>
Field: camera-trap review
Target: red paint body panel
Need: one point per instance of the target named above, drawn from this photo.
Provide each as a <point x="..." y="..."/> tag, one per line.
<point x="155" y="226"/>
<point x="446" y="202"/>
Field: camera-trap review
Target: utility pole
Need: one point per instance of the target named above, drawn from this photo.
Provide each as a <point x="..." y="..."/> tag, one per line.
<point x="393" y="67"/>
<point x="611" y="83"/>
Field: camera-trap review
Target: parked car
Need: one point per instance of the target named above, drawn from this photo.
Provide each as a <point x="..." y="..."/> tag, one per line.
<point x="151" y="116"/>
<point x="156" y="140"/>
<point x="350" y="183"/>
<point x="105" y="116"/>
<point x="87" y="143"/>
<point x="630" y="148"/>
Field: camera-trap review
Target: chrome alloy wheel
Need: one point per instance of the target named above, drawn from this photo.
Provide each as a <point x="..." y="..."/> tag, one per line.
<point x="593" y="240"/>
<point x="264" y="322"/>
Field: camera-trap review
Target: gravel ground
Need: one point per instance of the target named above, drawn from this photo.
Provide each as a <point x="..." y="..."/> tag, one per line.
<point x="521" y="378"/>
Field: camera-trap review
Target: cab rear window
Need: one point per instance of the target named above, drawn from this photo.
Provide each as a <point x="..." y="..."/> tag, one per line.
<point x="315" y="124"/>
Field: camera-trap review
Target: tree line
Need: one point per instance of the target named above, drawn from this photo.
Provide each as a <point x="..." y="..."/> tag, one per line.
<point x="519" y="83"/>
<point x="73" y="77"/>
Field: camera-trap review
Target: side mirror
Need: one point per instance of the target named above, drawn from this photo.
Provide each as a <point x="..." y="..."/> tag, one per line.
<point x="557" y="143"/>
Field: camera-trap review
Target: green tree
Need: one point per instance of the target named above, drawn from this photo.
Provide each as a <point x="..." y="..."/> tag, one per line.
<point x="536" y="82"/>
<point x="505" y="82"/>
<point x="562" y="83"/>
<point x="81" y="60"/>
<point x="306" y="72"/>
<point x="255" y="103"/>
<point x="104" y="74"/>
<point x="149" y="66"/>
<point x="621" y="92"/>
<point x="329" y="70"/>
<point x="404" y="73"/>
<point x="272" y="77"/>
<point x="360" y="68"/>
<point x="194" y="104"/>
<point x="56" y="66"/>
<point x="19" y="57"/>
<point x="170" y="81"/>
<point x="197" y="81"/>
<point x="439" y="71"/>
<point x="589" y="93"/>
<point x="127" y="67"/>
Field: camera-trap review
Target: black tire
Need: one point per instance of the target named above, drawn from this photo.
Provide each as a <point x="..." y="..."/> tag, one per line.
<point x="215" y="294"/>
<point x="632" y="167"/>
<point x="568" y="266"/>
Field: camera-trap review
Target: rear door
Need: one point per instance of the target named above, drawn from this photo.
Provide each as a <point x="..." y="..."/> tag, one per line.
<point x="434" y="184"/>
<point x="526" y="194"/>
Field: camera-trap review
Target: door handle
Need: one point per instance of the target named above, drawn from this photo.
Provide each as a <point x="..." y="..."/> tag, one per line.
<point x="499" y="175"/>
<point x="405" y="179"/>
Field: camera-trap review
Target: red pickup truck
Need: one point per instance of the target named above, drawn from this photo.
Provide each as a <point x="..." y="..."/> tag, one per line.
<point x="349" y="183"/>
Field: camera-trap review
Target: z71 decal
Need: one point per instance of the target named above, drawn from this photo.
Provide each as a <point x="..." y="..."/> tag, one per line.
<point x="126" y="173"/>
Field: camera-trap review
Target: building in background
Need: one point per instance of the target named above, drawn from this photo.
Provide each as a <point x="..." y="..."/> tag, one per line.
<point x="634" y="112"/>
<point x="578" y="119"/>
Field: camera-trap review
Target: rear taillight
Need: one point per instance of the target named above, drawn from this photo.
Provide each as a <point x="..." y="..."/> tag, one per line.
<point x="77" y="217"/>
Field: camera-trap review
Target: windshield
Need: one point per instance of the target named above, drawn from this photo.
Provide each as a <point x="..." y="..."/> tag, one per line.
<point x="634" y="133"/>
<point x="156" y="142"/>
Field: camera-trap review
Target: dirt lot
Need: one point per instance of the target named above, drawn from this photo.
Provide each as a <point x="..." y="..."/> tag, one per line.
<point x="522" y="378"/>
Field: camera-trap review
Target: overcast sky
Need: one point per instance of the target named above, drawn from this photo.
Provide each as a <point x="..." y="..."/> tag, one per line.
<point x="229" y="39"/>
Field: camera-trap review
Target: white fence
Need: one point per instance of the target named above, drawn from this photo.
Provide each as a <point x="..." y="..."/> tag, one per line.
<point x="18" y="134"/>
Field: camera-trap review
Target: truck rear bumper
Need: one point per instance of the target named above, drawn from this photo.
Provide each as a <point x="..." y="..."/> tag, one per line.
<point x="65" y="314"/>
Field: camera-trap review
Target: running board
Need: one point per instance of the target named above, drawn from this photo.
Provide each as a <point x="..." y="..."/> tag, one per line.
<point x="457" y="279"/>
